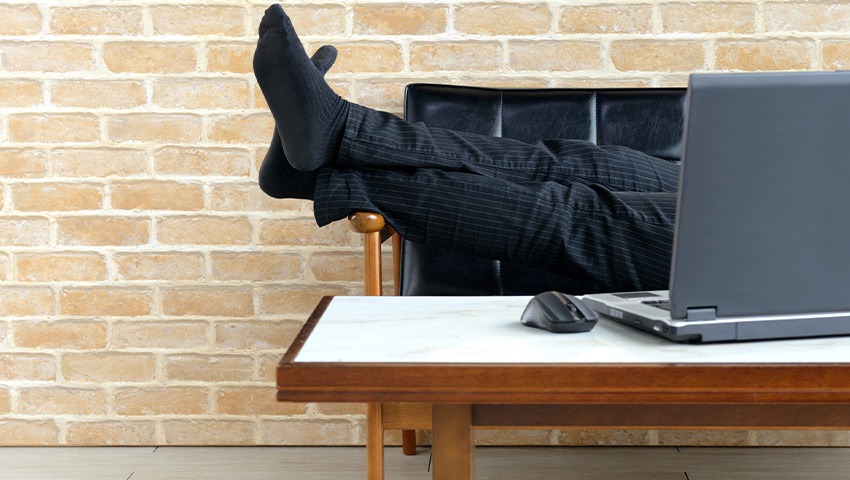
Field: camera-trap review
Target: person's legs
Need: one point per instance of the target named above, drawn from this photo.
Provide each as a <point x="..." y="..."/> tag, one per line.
<point x="377" y="139"/>
<point x="319" y="128"/>
<point x="619" y="240"/>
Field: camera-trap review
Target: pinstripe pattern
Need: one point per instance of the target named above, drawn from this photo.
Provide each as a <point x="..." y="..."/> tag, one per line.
<point x="604" y="215"/>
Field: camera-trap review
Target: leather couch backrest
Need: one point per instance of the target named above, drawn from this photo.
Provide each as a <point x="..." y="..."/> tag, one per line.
<point x="649" y="120"/>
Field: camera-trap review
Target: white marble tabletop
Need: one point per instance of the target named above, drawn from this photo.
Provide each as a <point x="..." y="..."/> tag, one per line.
<point x="487" y="330"/>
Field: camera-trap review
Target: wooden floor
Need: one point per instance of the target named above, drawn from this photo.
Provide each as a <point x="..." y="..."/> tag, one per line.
<point x="579" y="463"/>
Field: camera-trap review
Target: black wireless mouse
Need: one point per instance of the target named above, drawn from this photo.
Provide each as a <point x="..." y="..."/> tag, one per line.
<point x="558" y="312"/>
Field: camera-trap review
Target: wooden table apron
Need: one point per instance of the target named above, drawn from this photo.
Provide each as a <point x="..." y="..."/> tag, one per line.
<point x="651" y="396"/>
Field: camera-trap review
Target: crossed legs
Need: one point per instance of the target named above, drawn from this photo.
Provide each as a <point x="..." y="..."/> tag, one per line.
<point x="599" y="213"/>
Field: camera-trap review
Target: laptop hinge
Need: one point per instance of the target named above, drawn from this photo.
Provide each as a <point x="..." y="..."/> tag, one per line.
<point x="701" y="314"/>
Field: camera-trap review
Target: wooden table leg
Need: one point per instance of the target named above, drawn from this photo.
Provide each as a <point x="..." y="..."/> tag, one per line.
<point x="453" y="442"/>
<point x="374" y="442"/>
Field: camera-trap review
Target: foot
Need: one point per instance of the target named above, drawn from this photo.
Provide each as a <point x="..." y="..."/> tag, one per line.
<point x="277" y="177"/>
<point x="309" y="115"/>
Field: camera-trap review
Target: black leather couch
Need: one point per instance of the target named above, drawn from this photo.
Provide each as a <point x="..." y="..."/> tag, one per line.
<point x="649" y="120"/>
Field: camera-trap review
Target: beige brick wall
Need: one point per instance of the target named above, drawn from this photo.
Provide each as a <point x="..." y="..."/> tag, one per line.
<point x="148" y="288"/>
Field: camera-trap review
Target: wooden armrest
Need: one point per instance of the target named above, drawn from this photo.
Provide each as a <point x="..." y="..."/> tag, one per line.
<point x="375" y="230"/>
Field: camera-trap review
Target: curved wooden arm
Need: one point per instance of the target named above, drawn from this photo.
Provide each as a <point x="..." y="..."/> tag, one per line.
<point x="370" y="224"/>
<point x="366" y="222"/>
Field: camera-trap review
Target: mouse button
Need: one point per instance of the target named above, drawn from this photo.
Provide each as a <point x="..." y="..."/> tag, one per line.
<point x="585" y="311"/>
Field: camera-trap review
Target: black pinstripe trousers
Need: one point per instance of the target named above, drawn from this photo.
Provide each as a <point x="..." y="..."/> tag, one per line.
<point x="603" y="214"/>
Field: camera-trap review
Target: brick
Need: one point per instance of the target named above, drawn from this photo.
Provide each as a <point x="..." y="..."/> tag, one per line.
<point x="84" y="335"/>
<point x="254" y="128"/>
<point x="62" y="401"/>
<point x="198" y="20"/>
<point x="54" y="127"/>
<point x="20" y="93"/>
<point x="157" y="196"/>
<point x="209" y="368"/>
<point x="555" y="56"/>
<point x="5" y="264"/>
<point x="167" y="334"/>
<point x="323" y="20"/>
<point x="108" y="367"/>
<point x="99" y="162"/>
<point x="252" y="401"/>
<point x="797" y="438"/>
<point x="807" y="16"/>
<point x="623" y="81"/>
<point x="653" y="55"/>
<point x="23" y="163"/>
<point x="98" y="434"/>
<point x="268" y="367"/>
<point x="309" y="432"/>
<point x="338" y="267"/>
<point x="154" y="128"/>
<point x="512" y="437"/>
<point x="255" y="266"/>
<point x="5" y="401"/>
<point x="160" y="266"/>
<point x="208" y="301"/>
<point x="303" y="232"/>
<point x="106" y="301"/>
<point x="96" y="20"/>
<point x="765" y="55"/>
<point x="400" y="19"/>
<point x="103" y="231"/>
<point x="230" y="57"/>
<point x="703" y="437"/>
<point x="150" y="57"/>
<point x="259" y="100"/>
<point x="56" y="197"/>
<point x="204" y="231"/>
<point x="209" y="432"/>
<point x="836" y="55"/>
<point x="605" y="437"/>
<point x="708" y="17"/>
<point x="383" y="95"/>
<point x="368" y="57"/>
<point x="61" y="266"/>
<point x="24" y="231"/>
<point x="28" y="432"/>
<point x="236" y="197"/>
<point x="52" y="56"/>
<point x="132" y="401"/>
<point x="98" y="93"/>
<point x="20" y="19"/>
<point x="605" y="19"/>
<point x="27" y="301"/>
<point x="193" y="161"/>
<point x="28" y="367"/>
<point x="455" y="56"/>
<point x="502" y="19"/>
<point x="256" y="335"/>
<point x="338" y="409"/>
<point x="202" y="93"/>
<point x="294" y="300"/>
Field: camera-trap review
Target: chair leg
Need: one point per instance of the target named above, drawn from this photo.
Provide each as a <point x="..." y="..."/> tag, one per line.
<point x="408" y="442"/>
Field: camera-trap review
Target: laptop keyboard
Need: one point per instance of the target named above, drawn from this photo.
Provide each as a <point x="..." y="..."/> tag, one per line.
<point x="662" y="304"/>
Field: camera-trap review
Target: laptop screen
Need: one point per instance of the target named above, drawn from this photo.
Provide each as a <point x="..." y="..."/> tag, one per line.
<point x="763" y="220"/>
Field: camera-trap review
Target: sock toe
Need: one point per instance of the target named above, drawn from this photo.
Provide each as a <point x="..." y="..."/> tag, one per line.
<point x="273" y="17"/>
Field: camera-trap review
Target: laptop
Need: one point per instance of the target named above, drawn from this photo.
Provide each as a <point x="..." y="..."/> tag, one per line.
<point x="761" y="246"/>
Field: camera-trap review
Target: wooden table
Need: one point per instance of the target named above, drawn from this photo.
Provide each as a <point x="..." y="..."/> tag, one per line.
<point x="454" y="364"/>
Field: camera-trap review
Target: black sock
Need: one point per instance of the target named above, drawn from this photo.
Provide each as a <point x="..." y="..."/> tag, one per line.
<point x="309" y="115"/>
<point x="277" y="177"/>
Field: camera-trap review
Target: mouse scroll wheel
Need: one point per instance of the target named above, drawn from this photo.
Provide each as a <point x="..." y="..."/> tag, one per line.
<point x="572" y="307"/>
